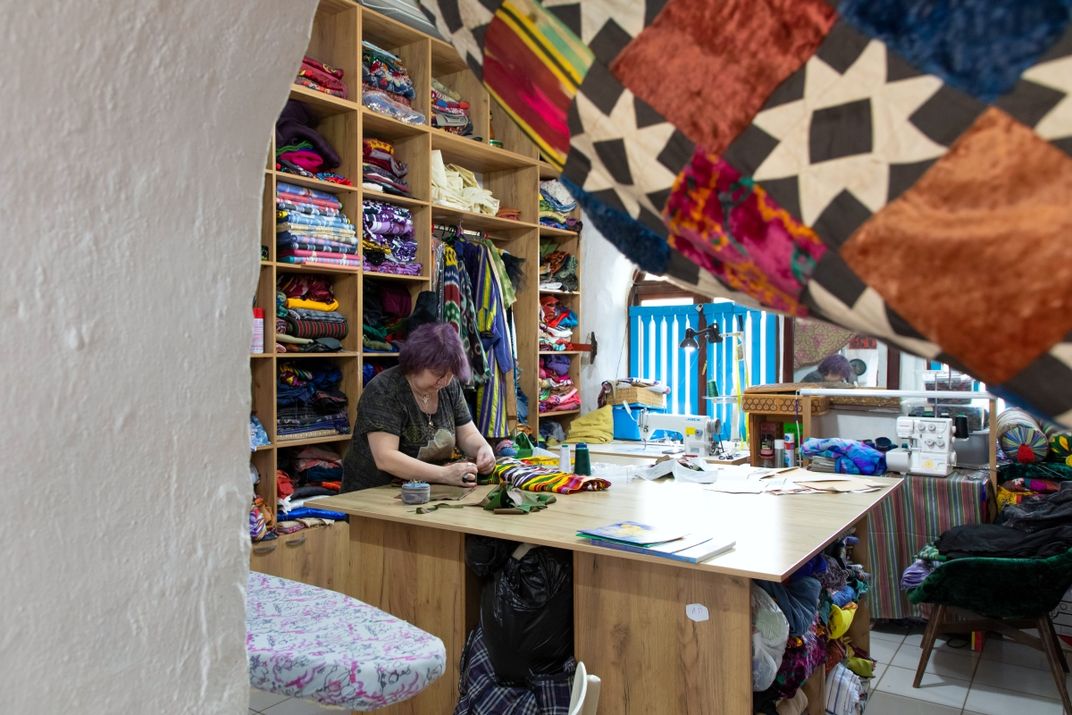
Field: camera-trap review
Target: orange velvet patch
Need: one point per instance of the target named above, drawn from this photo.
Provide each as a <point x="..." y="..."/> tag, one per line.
<point x="708" y="67"/>
<point x="977" y="255"/>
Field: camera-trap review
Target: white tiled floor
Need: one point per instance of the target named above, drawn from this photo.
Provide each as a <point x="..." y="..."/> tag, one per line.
<point x="1005" y="679"/>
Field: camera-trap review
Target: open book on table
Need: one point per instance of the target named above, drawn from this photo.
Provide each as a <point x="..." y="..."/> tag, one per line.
<point x="667" y="543"/>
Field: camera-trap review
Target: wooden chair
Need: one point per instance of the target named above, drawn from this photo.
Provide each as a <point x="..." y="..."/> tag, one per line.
<point x="1003" y="595"/>
<point x="584" y="697"/>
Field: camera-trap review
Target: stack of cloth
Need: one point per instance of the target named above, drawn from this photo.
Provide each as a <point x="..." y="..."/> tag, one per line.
<point x="1034" y="529"/>
<point x="556" y="324"/>
<point x="1019" y="483"/>
<point x="301" y="150"/>
<point x="309" y="401"/>
<point x="321" y="77"/>
<point x="843" y="456"/>
<point x="557" y="391"/>
<point x="385" y="306"/>
<point x="387" y="240"/>
<point x="305" y="475"/>
<point x="370" y="370"/>
<point x="387" y="87"/>
<point x="456" y="187"/>
<point x="381" y="170"/>
<point x="449" y="111"/>
<point x="818" y="603"/>
<point x="556" y="205"/>
<point x="311" y="227"/>
<point x="558" y="269"/>
<point x="307" y="317"/>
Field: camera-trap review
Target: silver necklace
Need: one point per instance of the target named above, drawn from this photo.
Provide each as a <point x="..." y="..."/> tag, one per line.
<point x="423" y="399"/>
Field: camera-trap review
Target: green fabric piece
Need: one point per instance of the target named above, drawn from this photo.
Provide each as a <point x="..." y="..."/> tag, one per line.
<point x="1038" y="470"/>
<point x="509" y="500"/>
<point x="998" y="588"/>
<point x="930" y="553"/>
<point x="432" y="507"/>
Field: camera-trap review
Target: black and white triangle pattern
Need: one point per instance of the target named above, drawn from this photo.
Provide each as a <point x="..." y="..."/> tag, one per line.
<point x="849" y="132"/>
<point x="622" y="151"/>
<point x="463" y="24"/>
<point x="1042" y="98"/>
<point x="606" y="26"/>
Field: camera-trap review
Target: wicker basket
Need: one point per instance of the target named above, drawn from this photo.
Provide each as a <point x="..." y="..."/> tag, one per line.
<point x="637" y="396"/>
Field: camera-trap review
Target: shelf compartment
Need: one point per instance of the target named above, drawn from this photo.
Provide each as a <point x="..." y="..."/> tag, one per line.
<point x="552" y="232"/>
<point x="283" y="267"/>
<point x="322" y="105"/>
<point x="476" y="156"/>
<point x="373" y="195"/>
<point x="281" y="443"/>
<point x="320" y="356"/>
<point x="413" y="150"/>
<point x="387" y="128"/>
<point x="333" y="41"/>
<point x="559" y="413"/>
<point x="317" y="184"/>
<point x="445" y="59"/>
<point x="411" y="46"/>
<point x="475" y="221"/>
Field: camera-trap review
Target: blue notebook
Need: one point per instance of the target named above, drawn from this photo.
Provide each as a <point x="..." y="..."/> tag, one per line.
<point x="632" y="532"/>
<point x="644" y="539"/>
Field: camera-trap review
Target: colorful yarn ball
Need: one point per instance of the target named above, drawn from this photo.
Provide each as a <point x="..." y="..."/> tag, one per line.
<point x="1020" y="436"/>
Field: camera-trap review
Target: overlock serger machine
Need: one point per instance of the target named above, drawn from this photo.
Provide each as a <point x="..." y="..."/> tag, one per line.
<point x="930" y="447"/>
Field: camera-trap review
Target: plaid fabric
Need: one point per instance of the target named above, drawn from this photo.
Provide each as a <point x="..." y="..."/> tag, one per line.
<point x="482" y="695"/>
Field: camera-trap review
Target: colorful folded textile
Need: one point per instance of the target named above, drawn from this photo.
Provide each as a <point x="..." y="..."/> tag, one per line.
<point x="321" y="77"/>
<point x="544" y="479"/>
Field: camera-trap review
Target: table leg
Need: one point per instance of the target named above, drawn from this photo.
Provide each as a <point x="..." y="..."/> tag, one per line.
<point x="631" y="629"/>
<point x="419" y="575"/>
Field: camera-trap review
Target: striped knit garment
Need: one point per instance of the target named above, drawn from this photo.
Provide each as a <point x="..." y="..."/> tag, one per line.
<point x="456" y="307"/>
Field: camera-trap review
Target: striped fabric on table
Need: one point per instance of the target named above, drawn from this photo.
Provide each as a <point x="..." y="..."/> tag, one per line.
<point x="916" y="515"/>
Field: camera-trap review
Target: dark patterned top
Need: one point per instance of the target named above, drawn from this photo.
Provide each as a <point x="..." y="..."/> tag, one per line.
<point x="387" y="405"/>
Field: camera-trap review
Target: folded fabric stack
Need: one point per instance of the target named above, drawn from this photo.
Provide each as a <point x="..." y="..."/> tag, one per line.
<point x="258" y="437"/>
<point x="387" y="240"/>
<point x="558" y="269"/>
<point x="301" y="150"/>
<point x="381" y="170"/>
<point x="456" y="187"/>
<point x="556" y="324"/>
<point x="843" y="456"/>
<point x="307" y="317"/>
<point x="304" y="476"/>
<point x="387" y="88"/>
<point x="1019" y="483"/>
<point x="309" y="401"/>
<point x="321" y="77"/>
<point x="557" y="391"/>
<point x="385" y="306"/>
<point x="370" y="370"/>
<point x="311" y="227"/>
<point x="556" y="205"/>
<point x="449" y="111"/>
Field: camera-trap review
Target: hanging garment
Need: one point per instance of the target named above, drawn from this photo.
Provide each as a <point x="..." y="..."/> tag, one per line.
<point x="491" y="396"/>
<point x="456" y="307"/>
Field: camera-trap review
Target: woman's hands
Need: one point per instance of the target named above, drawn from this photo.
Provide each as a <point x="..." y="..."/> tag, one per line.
<point x="461" y="474"/>
<point x="485" y="459"/>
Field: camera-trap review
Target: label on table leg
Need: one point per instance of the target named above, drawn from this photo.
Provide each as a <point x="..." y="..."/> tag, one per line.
<point x="697" y="612"/>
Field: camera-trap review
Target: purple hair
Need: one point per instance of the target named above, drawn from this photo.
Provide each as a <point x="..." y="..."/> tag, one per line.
<point x="838" y="365"/>
<point x="435" y="347"/>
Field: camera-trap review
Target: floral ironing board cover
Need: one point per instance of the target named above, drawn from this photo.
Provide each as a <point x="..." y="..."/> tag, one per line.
<point x="309" y="642"/>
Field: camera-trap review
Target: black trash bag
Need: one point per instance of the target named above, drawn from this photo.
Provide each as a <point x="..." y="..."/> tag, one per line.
<point x="485" y="555"/>
<point x="526" y="612"/>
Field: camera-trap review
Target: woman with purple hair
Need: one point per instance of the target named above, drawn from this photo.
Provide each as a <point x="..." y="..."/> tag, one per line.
<point x="410" y="418"/>
<point x="833" y="368"/>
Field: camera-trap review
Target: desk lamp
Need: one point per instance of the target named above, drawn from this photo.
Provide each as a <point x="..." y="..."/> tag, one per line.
<point x="710" y="334"/>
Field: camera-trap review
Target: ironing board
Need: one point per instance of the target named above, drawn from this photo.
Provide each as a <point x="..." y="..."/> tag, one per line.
<point x="308" y="642"/>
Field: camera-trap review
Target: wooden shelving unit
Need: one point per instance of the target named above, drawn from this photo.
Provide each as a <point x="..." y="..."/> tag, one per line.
<point x="511" y="172"/>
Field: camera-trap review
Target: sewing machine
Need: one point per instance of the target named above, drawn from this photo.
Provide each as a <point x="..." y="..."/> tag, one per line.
<point x="930" y="447"/>
<point x="698" y="431"/>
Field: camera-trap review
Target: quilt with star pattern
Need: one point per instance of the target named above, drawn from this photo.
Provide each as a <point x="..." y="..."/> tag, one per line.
<point x="899" y="167"/>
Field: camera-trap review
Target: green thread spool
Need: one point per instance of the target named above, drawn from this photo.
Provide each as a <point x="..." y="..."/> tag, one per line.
<point x="582" y="461"/>
<point x="712" y="388"/>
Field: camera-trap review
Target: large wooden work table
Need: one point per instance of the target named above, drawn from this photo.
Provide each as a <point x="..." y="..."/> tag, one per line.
<point x="630" y="621"/>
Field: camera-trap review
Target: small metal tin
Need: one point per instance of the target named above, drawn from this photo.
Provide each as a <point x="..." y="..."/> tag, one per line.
<point x="495" y="143"/>
<point x="416" y="492"/>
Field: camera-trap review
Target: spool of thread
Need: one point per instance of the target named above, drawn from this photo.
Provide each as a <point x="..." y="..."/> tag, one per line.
<point x="779" y="453"/>
<point x="790" y="442"/>
<point x="416" y="492"/>
<point x="582" y="461"/>
<point x="564" y="464"/>
<point x="1020" y="436"/>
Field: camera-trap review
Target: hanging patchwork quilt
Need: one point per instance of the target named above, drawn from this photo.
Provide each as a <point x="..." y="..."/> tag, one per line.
<point x="900" y="168"/>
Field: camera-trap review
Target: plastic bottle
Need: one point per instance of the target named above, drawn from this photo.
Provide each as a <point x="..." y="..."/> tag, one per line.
<point x="790" y="450"/>
<point x="256" y="344"/>
<point x="779" y="453"/>
<point x="582" y="461"/>
<point x="564" y="464"/>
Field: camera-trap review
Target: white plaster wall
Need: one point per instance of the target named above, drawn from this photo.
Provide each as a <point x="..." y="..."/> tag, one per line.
<point x="134" y="137"/>
<point x="607" y="276"/>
